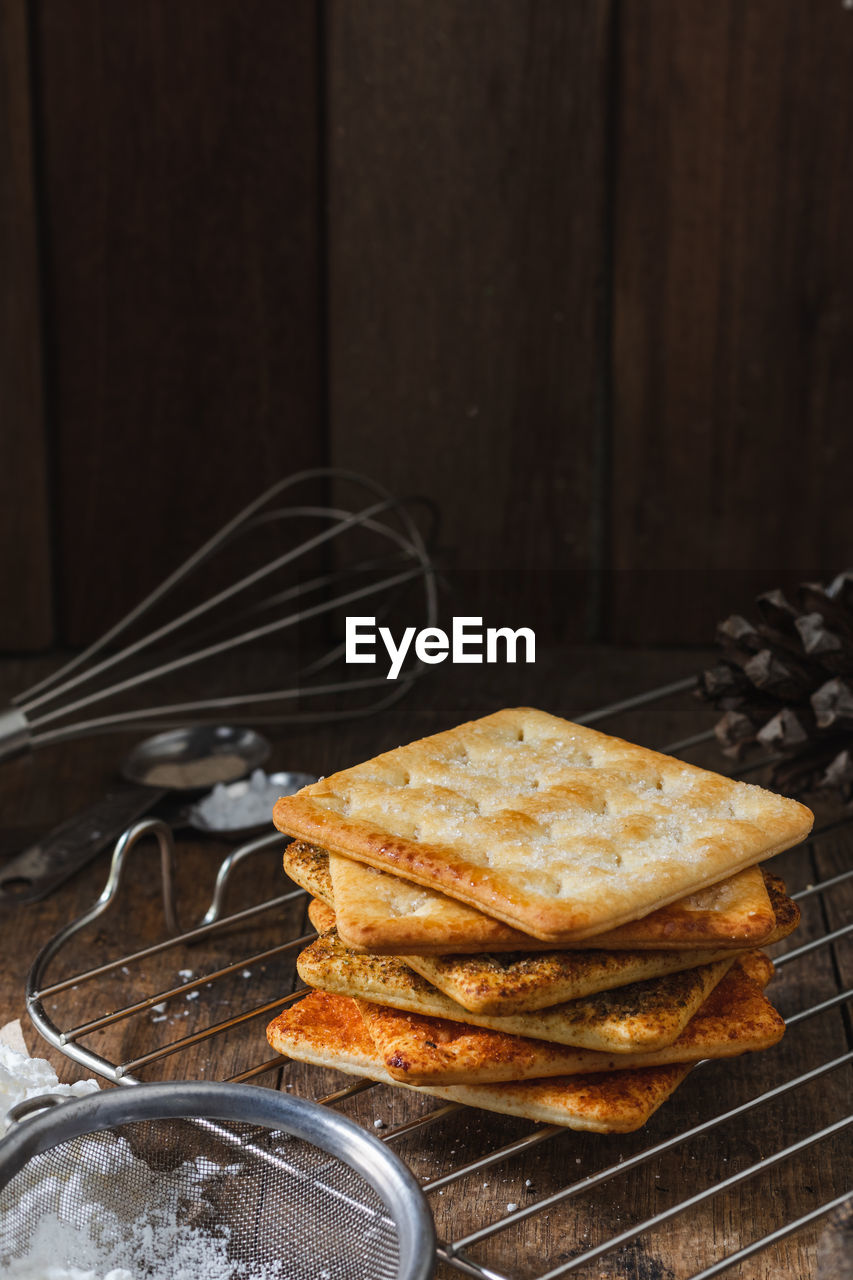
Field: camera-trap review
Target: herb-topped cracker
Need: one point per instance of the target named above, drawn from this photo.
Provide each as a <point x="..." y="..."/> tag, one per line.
<point x="736" y="1018"/>
<point x="642" y="1015"/>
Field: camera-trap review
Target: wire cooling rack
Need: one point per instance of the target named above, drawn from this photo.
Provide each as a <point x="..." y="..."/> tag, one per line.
<point x="748" y="1113"/>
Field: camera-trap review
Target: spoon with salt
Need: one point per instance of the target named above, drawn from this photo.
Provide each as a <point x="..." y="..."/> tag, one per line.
<point x="237" y="810"/>
<point x="186" y="761"/>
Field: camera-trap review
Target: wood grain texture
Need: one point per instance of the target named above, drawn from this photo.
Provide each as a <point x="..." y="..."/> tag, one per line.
<point x="46" y="787"/>
<point x="733" y="272"/>
<point x="181" y="180"/>
<point x="466" y="195"/>
<point x="26" y="618"/>
<point x="486" y="229"/>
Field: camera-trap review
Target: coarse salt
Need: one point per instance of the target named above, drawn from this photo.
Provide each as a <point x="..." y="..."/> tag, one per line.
<point x="241" y="804"/>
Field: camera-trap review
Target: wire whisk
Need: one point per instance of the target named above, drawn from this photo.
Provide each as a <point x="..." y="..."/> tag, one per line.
<point x="390" y="556"/>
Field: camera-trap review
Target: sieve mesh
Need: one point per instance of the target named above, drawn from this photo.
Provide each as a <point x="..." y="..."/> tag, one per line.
<point x="184" y="1198"/>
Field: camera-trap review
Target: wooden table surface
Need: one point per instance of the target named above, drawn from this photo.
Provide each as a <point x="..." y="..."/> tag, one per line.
<point x="38" y="791"/>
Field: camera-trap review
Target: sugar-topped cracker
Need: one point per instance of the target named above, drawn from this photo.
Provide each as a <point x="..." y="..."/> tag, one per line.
<point x="552" y="827"/>
<point x="382" y="914"/>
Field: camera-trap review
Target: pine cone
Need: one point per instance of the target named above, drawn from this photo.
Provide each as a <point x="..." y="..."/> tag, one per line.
<point x="785" y="683"/>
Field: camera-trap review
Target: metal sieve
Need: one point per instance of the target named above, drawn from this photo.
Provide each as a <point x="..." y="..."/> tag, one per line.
<point x="227" y="1181"/>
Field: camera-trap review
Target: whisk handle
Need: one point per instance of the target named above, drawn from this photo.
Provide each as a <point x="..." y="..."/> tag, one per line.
<point x="14" y="733"/>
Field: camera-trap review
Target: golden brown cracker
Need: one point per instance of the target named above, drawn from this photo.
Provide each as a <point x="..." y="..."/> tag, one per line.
<point x="736" y="1018"/>
<point x="642" y="1015"/>
<point x="321" y="916"/>
<point x="554" y="828"/>
<point x="328" y="1031"/>
<point x="520" y="983"/>
<point x="384" y="914"/>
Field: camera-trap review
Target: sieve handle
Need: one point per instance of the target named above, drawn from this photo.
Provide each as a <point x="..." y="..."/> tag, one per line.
<point x="42" y="1102"/>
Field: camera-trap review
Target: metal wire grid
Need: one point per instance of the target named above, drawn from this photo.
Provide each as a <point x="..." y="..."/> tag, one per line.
<point x="455" y="1252"/>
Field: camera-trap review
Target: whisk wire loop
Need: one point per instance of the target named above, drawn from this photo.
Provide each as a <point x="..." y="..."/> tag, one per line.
<point x="34" y="715"/>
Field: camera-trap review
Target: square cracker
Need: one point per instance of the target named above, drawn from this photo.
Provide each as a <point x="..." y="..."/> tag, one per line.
<point x="554" y="828"/>
<point x="521" y="981"/>
<point x="736" y="1018"/>
<point x="308" y="867"/>
<point x="321" y="915"/>
<point x="513" y="983"/>
<point x="328" y="1031"/>
<point x="379" y="912"/>
<point x="505" y="983"/>
<point x="644" y="1015"/>
<point x="385" y="915"/>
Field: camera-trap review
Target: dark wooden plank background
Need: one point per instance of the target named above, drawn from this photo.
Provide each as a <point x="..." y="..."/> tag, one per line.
<point x="732" y="288"/>
<point x="579" y="272"/>
<point x="180" y="162"/>
<point x="26" y="615"/>
<point x="465" y="286"/>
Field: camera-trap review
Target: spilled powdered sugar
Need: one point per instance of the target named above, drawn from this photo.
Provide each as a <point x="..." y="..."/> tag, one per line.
<point x="119" y="1220"/>
<point x="97" y="1248"/>
<point x="22" y="1077"/>
<point x="114" y="1218"/>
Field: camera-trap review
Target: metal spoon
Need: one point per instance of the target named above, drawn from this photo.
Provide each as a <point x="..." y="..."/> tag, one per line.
<point x="183" y="761"/>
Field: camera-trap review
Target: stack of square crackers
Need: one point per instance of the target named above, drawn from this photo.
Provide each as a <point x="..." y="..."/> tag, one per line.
<point x="535" y="918"/>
